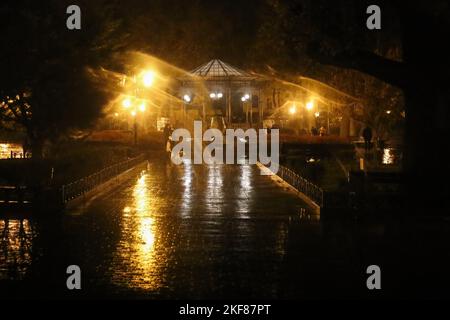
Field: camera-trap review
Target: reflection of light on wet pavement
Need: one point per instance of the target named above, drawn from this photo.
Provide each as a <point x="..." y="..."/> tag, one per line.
<point x="246" y="178"/>
<point x="148" y="240"/>
<point x="214" y="190"/>
<point x="245" y="191"/>
<point x="141" y="196"/>
<point x="15" y="248"/>
<point x="191" y="231"/>
<point x="187" y="177"/>
<point x="139" y="266"/>
<point x="388" y="156"/>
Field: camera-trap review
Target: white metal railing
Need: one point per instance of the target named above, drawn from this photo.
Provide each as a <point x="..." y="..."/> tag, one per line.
<point x="306" y="187"/>
<point x="77" y="188"/>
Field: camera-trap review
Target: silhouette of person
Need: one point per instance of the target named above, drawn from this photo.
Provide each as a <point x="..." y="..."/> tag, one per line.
<point x="367" y="135"/>
<point x="167" y="131"/>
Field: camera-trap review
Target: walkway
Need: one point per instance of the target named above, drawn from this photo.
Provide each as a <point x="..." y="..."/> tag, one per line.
<point x="190" y="231"/>
<point x="196" y="232"/>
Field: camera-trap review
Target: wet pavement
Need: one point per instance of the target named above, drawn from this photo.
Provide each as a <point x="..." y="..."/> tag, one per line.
<point x="191" y="231"/>
<point x="210" y="232"/>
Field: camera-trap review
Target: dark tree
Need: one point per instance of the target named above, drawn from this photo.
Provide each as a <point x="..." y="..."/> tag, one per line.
<point x="311" y="32"/>
<point x="189" y="33"/>
<point x="46" y="87"/>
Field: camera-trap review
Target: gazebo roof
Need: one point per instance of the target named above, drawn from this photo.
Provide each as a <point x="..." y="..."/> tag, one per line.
<point x="217" y="70"/>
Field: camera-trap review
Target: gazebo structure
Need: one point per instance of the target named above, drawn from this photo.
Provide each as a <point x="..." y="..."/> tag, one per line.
<point x="223" y="90"/>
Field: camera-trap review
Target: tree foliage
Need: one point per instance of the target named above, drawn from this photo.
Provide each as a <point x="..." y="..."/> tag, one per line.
<point x="46" y="87"/>
<point x="189" y="33"/>
<point x="410" y="52"/>
<point x="302" y="37"/>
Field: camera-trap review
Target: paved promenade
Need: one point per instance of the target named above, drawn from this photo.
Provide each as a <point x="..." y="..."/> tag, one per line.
<point x="190" y="231"/>
<point x="211" y="232"/>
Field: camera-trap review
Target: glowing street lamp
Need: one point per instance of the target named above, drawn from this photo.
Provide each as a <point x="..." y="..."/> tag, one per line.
<point x="317" y="114"/>
<point x="293" y="110"/>
<point x="187" y="98"/>
<point x="388" y="112"/>
<point x="216" y="95"/>
<point x="126" y="103"/>
<point x="310" y="106"/>
<point x="148" y="78"/>
<point x="245" y="97"/>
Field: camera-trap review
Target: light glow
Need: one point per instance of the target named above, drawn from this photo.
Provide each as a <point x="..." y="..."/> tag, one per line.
<point x="187" y="98"/>
<point x="148" y="78"/>
<point x="293" y="109"/>
<point x="126" y="103"/>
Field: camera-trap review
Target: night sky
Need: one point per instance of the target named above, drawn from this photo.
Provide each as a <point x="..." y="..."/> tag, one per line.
<point x="212" y="29"/>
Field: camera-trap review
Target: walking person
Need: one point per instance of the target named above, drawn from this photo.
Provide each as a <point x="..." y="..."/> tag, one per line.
<point x="166" y="134"/>
<point x="168" y="143"/>
<point x="367" y="135"/>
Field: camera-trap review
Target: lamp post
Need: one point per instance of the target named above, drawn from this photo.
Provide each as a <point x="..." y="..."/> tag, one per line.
<point x="309" y="108"/>
<point x="215" y="96"/>
<point x="128" y="104"/>
<point x="328" y="119"/>
<point x="317" y="115"/>
<point x="133" y="114"/>
<point x="186" y="100"/>
<point x="294" y="120"/>
<point x="245" y="98"/>
<point x="146" y="78"/>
